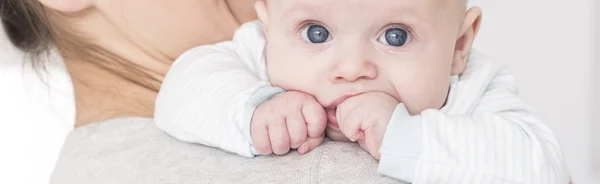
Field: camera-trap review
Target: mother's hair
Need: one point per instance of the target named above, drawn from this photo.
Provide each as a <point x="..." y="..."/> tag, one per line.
<point x="36" y="29"/>
<point x="26" y="25"/>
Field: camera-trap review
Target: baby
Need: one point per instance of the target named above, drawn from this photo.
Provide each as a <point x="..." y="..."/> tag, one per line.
<point x="397" y="76"/>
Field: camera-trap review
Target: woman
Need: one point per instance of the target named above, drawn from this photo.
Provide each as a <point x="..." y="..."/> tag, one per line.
<point x="68" y="63"/>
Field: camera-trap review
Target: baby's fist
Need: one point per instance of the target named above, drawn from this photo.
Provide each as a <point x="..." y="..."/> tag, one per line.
<point x="364" y="118"/>
<point x="291" y="120"/>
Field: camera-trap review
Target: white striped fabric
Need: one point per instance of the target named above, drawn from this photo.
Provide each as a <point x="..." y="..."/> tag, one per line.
<point x="488" y="134"/>
<point x="205" y="95"/>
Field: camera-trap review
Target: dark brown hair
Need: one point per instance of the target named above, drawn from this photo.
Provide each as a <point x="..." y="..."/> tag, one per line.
<point x="26" y="25"/>
<point x="34" y="29"/>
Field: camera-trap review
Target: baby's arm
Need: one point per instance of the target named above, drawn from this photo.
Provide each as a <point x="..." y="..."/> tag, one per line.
<point x="210" y="93"/>
<point x="219" y="96"/>
<point x="501" y="141"/>
<point x="205" y="99"/>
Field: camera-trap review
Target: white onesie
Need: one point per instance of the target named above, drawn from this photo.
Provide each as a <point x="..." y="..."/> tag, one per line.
<point x="484" y="134"/>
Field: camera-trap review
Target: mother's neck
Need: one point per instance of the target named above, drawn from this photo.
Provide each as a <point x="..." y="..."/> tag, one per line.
<point x="242" y="10"/>
<point x="101" y="94"/>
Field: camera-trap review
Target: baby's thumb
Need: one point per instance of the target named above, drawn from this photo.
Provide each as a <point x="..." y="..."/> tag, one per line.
<point x="310" y="144"/>
<point x="351" y="128"/>
<point x="359" y="135"/>
<point x="365" y="146"/>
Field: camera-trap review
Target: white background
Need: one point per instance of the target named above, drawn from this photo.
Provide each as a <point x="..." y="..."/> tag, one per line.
<point x="549" y="46"/>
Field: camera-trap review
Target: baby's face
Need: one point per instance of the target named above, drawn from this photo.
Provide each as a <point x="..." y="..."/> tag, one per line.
<point x="334" y="49"/>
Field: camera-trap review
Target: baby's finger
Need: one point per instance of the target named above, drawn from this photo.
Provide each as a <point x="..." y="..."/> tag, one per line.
<point x="280" y="139"/>
<point x="310" y="144"/>
<point x="260" y="137"/>
<point x="350" y="126"/>
<point x="315" y="117"/>
<point x="369" y="149"/>
<point x="296" y="129"/>
<point x="373" y="145"/>
<point x="363" y="145"/>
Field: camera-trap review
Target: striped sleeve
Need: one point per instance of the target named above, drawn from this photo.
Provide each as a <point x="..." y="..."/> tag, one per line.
<point x="210" y="93"/>
<point x="497" y="138"/>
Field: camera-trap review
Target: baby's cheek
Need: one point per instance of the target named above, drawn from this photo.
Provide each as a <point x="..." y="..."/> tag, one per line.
<point x="335" y="135"/>
<point x="422" y="93"/>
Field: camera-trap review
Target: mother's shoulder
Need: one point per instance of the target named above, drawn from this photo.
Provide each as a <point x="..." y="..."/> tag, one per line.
<point x="117" y="150"/>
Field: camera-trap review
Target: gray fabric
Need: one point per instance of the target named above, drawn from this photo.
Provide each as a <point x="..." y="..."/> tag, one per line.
<point x="135" y="151"/>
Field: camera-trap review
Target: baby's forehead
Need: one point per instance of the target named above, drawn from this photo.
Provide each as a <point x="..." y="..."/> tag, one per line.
<point x="390" y="3"/>
<point x="417" y="7"/>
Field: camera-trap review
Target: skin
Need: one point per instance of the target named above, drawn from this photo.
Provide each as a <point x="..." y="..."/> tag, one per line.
<point x="149" y="35"/>
<point x="300" y="125"/>
<point x="364" y="118"/>
<point x="354" y="62"/>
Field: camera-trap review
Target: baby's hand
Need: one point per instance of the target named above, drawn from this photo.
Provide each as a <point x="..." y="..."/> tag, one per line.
<point x="364" y="118"/>
<point x="289" y="120"/>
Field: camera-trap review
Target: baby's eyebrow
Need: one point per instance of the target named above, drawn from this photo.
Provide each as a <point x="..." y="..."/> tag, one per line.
<point x="407" y="13"/>
<point x="315" y="6"/>
<point x="421" y="15"/>
<point x="302" y="6"/>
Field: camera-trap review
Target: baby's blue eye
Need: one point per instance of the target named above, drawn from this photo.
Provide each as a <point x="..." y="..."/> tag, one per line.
<point x="315" y="34"/>
<point x="396" y="37"/>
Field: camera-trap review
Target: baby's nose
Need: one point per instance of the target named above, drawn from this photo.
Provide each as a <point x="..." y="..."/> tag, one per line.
<point x="353" y="70"/>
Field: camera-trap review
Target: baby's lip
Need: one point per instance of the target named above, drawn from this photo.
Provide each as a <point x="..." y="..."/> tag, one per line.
<point x="332" y="119"/>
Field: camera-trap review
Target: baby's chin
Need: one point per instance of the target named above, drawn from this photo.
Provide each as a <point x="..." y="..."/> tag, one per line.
<point x="335" y="135"/>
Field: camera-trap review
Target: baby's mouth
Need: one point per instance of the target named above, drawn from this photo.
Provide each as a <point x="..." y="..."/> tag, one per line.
<point x="331" y="109"/>
<point x="331" y="119"/>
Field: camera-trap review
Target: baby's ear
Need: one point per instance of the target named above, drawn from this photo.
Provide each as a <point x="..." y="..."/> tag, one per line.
<point x="68" y="6"/>
<point x="262" y="12"/>
<point x="467" y="34"/>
